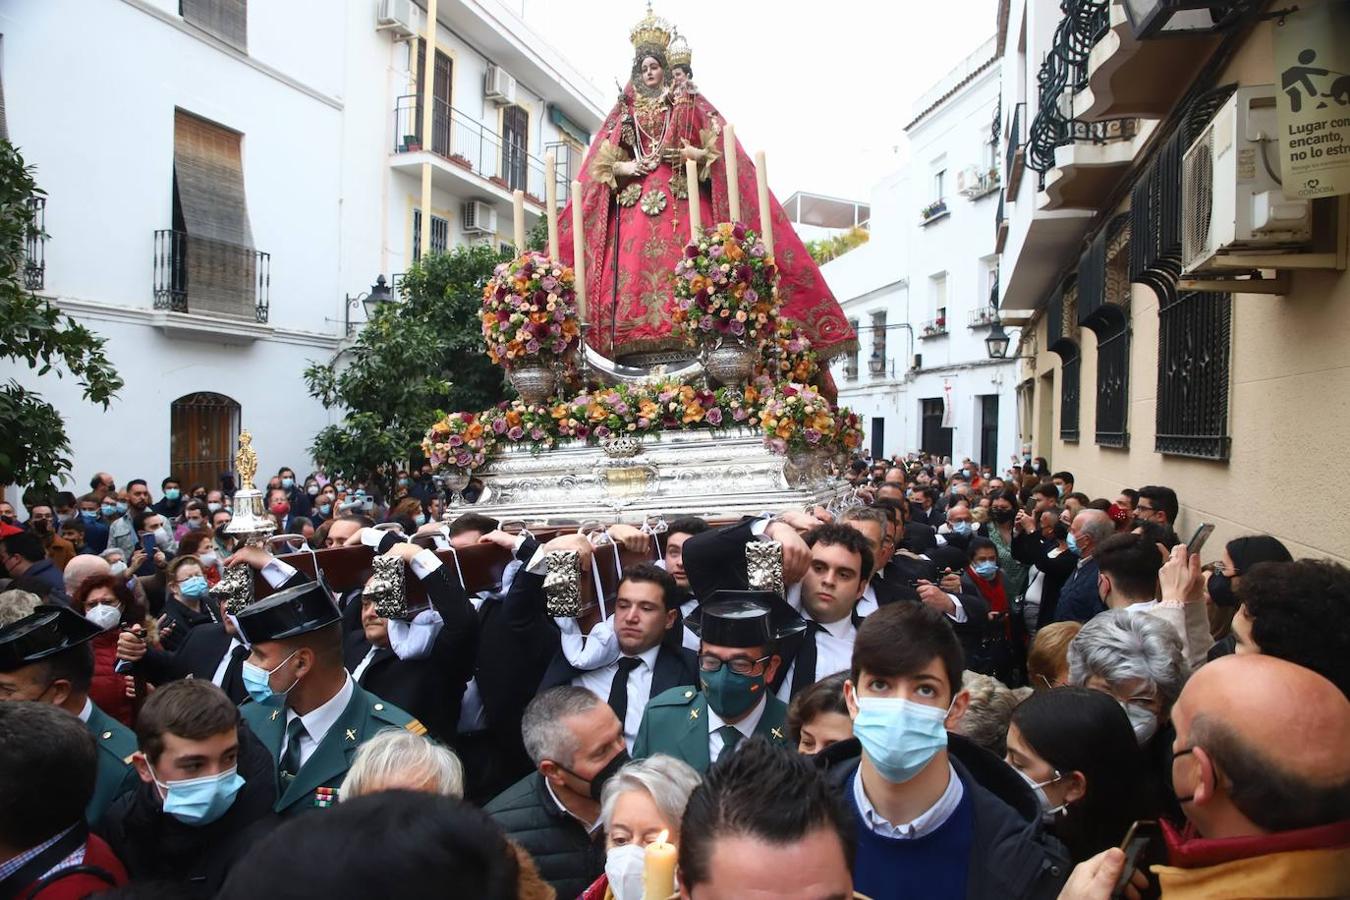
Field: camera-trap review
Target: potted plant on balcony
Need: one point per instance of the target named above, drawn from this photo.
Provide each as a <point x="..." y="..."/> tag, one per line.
<point x="941" y="323"/>
<point x="933" y="210"/>
<point x="411" y="144"/>
<point x="500" y="182"/>
<point x="461" y="161"/>
<point x="531" y="198"/>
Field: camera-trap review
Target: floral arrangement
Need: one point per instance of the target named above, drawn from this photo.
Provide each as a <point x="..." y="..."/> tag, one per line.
<point x="460" y="439"/>
<point x="797" y="417"/>
<point x="516" y="422"/>
<point x="848" y="430"/>
<point x="789" y="357"/>
<point x="726" y="286"/>
<point x="530" y="311"/>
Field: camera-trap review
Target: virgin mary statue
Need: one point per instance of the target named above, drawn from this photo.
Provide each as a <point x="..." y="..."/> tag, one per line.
<point x="636" y="211"/>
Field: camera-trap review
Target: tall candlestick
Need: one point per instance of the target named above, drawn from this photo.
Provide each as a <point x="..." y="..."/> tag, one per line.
<point x="691" y="179"/>
<point x="578" y="252"/>
<point x="733" y="164"/>
<point x="765" y="213"/>
<point x="658" y="869"/>
<point x="518" y="199"/>
<point x="551" y="202"/>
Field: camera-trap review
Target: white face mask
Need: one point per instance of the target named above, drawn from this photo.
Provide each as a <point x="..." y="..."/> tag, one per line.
<point x="117" y="568"/>
<point x="1048" y="812"/>
<point x="105" y="616"/>
<point x="624" y="867"/>
<point x="1143" y="721"/>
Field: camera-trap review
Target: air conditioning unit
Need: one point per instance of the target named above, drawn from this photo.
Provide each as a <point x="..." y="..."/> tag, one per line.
<point x="969" y="181"/>
<point x="1231" y="202"/>
<point x="479" y="217"/>
<point x="402" y="17"/>
<point x="499" y="86"/>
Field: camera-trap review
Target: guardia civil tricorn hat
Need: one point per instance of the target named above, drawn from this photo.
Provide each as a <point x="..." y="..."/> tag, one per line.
<point x="49" y="630"/>
<point x="289" y="613"/>
<point x="746" y="619"/>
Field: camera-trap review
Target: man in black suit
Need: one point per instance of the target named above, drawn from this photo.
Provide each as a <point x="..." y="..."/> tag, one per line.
<point x="929" y="511"/>
<point x="876" y="524"/>
<point x="403" y="663"/>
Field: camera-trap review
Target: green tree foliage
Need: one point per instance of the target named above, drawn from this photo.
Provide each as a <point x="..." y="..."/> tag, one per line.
<point x="413" y="361"/>
<point x="33" y="441"/>
<point x="826" y="249"/>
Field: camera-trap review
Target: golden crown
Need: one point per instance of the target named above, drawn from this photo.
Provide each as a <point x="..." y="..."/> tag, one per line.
<point x="651" y="30"/>
<point x="678" y="53"/>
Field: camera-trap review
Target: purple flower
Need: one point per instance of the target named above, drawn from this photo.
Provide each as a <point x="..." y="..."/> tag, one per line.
<point x="715" y="251"/>
<point x="738" y="232"/>
<point x="690" y="252"/>
<point x="812" y="436"/>
<point x="582" y="431"/>
<point x="643" y="422"/>
<point x="778" y="445"/>
<point x="621" y="408"/>
<point x="758" y="251"/>
<point x="739" y="414"/>
<point x="463" y="458"/>
<point x="744" y="272"/>
<point x="498" y="425"/>
<point x="750" y="296"/>
<point x="736" y="327"/>
<point x="714" y="417"/>
<point x="706" y="323"/>
<point x="559" y="346"/>
<point x="536" y="433"/>
<point x="516" y="433"/>
<point x="548" y="283"/>
<point x="532" y="347"/>
<point x="454" y="440"/>
<point x="601" y="431"/>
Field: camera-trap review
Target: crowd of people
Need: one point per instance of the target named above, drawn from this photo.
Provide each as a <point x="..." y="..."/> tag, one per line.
<point x="970" y="684"/>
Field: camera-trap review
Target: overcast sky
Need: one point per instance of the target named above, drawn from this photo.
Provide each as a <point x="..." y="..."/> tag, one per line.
<point x="824" y="88"/>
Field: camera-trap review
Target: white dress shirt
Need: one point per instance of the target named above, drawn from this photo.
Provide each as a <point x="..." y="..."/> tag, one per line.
<point x="87" y="710"/>
<point x="219" y="675"/>
<point x="599" y="681"/>
<point x="834" y="653"/>
<point x="318" y="721"/>
<point x="364" y="664"/>
<point x="745" y="726"/>
<point x="688" y="639"/>
<point x="591" y="827"/>
<point x="929" y="821"/>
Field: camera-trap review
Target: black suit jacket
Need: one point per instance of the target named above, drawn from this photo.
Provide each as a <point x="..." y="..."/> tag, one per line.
<point x="933" y="517"/>
<point x="675" y="666"/>
<point x="197" y="657"/>
<point x="430" y="689"/>
<point x="890" y="588"/>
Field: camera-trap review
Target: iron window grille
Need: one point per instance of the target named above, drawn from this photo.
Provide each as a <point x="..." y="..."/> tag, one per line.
<point x="232" y="280"/>
<point x="35" y="245"/>
<point x="1194" y="346"/>
<point x="440" y="234"/>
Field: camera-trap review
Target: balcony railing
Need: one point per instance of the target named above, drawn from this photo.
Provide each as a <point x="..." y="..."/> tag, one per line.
<point x="465" y="142"/>
<point x="1063" y="72"/>
<point x="1016" y="148"/>
<point x="981" y="316"/>
<point x="35" y="246"/>
<point x="933" y="211"/>
<point x="210" y="277"/>
<point x="1000" y="224"/>
<point x="933" y="328"/>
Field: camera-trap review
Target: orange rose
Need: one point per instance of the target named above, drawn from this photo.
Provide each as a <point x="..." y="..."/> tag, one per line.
<point x="733" y="251"/>
<point x="693" y="412"/>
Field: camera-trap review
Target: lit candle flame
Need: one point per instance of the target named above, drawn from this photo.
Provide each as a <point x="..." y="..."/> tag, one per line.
<point x="661" y="838"/>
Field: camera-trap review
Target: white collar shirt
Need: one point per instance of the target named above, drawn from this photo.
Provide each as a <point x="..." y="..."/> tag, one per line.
<point x="834" y="653"/>
<point x="599" y="681"/>
<point x="319" y="721"/>
<point x="929" y="821"/>
<point x="745" y="726"/>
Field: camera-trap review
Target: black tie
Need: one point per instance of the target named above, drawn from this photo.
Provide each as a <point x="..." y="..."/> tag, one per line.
<point x="618" y="688"/>
<point x="804" y="672"/>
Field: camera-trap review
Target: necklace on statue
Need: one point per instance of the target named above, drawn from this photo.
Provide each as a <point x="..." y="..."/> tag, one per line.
<point x="652" y="150"/>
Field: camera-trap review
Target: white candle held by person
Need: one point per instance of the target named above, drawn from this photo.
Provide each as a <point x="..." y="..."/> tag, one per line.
<point x="658" y="875"/>
<point x="578" y="252"/>
<point x="518" y="201"/>
<point x="733" y="167"/>
<point x="691" y="179"/>
<point x="765" y="213"/>
<point x="551" y="202"/>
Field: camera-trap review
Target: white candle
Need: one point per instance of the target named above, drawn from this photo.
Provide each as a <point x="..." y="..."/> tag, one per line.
<point x="518" y="197"/>
<point x="765" y="214"/>
<point x="691" y="179"/>
<point x="578" y="252"/>
<point x="551" y="202"/>
<point x="733" y="186"/>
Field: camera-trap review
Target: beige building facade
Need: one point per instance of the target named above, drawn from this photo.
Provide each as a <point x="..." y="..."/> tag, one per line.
<point x="1135" y="371"/>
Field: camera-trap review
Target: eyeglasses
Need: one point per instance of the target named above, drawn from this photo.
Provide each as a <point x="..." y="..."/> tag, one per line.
<point x="740" y="665"/>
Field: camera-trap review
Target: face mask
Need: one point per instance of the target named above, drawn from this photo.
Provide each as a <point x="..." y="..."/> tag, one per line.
<point x="172" y="494"/>
<point x="41" y="526"/>
<point x="1048" y="812"/>
<point x="162" y="537"/>
<point x="280" y="509"/>
<point x="325" y="508"/>
<point x="986" y="570"/>
<point x="1220" y="588"/>
<point x="1073" y="543"/>
<point x="1000" y="515"/>
<point x="195" y="587"/>
<point x="312" y="490"/>
<point x="117" y="568"/>
<point x="105" y="616"/>
<point x="731" y="695"/>
<point x="108" y="510"/>
<point x="209" y="559"/>
<point x="200" y="801"/>
<point x="288" y="483"/>
<point x="965" y="472"/>
<point x="121" y="507"/>
<point x="420" y="519"/>
<point x="961" y="528"/>
<point x="258" y="683"/>
<point x="213" y="506"/>
<point x="339" y="486"/>
<point x="610" y="769"/>
<point x="195" y="524"/>
<point x="899" y="736"/>
<point x="1143" y="721"/>
<point x="404" y="482"/>
<point x="624" y="868"/>
<point x="89" y="516"/>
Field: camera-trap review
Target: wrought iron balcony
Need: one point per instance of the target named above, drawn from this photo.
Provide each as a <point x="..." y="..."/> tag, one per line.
<point x="1017" y="150"/>
<point x="465" y="142"/>
<point x="933" y="328"/>
<point x="933" y="211"/>
<point x="982" y="316"/>
<point x="35" y="246"/>
<point x="1000" y="225"/>
<point x="1063" y="73"/>
<point x="209" y="277"/>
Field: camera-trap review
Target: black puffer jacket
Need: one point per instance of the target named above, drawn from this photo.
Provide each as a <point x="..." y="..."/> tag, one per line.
<point x="1011" y="855"/>
<point x="567" y="857"/>
<point x="158" y="847"/>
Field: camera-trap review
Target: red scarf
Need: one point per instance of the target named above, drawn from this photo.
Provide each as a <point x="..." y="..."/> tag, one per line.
<point x="993" y="593"/>
<point x="1187" y="850"/>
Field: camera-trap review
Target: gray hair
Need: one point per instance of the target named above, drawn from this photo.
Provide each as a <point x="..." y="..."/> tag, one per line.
<point x="990" y="710"/>
<point x="1122" y="645"/>
<point x="397" y="758"/>
<point x="866" y="514"/>
<point x="544" y="727"/>
<point x="1095" y="524"/>
<point x="667" y="780"/>
<point x="15" y="605"/>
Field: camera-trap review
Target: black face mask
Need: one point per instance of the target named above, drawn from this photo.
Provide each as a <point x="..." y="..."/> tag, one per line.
<point x="1220" y="588"/>
<point x="609" y="770"/>
<point x="1000" y="515"/>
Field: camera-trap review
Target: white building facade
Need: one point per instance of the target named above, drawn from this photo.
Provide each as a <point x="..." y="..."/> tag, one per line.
<point x="920" y="292"/>
<point x="224" y="181"/>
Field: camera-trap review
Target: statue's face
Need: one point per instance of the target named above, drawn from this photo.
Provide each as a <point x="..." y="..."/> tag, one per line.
<point x="652" y="73"/>
<point x="678" y="76"/>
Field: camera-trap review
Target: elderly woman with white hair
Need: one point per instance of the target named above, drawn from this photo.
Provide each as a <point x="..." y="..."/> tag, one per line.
<point x="1140" y="661"/>
<point x="643" y="801"/>
<point x="396" y="759"/>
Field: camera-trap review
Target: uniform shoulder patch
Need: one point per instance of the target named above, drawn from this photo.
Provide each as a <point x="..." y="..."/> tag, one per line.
<point x="676" y="696"/>
<point x="415" y="727"/>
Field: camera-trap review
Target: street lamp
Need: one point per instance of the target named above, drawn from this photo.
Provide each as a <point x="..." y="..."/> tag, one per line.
<point x="1179" y="18"/>
<point x="876" y="363"/>
<point x="997" y="342"/>
<point x="371" y="301"/>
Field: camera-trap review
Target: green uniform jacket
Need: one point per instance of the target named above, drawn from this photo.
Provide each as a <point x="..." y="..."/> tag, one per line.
<point x="316" y="784"/>
<point x="116" y="775"/>
<point x="676" y="723"/>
